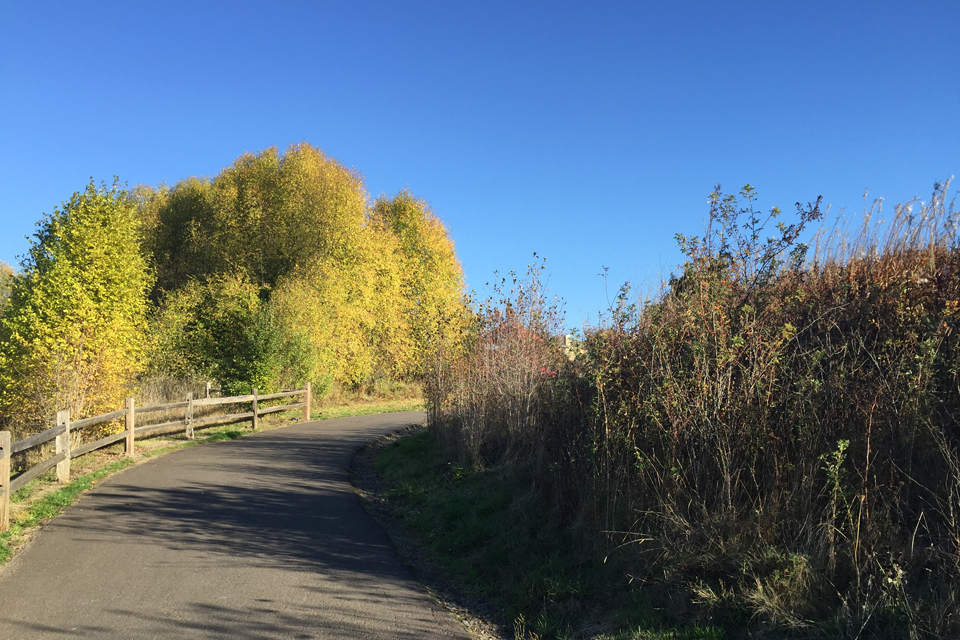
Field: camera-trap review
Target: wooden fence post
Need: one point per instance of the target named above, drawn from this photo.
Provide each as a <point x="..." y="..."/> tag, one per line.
<point x="131" y="425"/>
<point x="306" y="405"/>
<point x="256" y="416"/>
<point x="63" y="446"/>
<point x="206" y="392"/>
<point x="189" y="416"/>
<point x="5" y="481"/>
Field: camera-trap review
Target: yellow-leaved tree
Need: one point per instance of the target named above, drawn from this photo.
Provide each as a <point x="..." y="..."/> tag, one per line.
<point x="262" y="223"/>
<point x="262" y="216"/>
<point x="348" y="293"/>
<point x="434" y="311"/>
<point x="350" y="312"/>
<point x="73" y="329"/>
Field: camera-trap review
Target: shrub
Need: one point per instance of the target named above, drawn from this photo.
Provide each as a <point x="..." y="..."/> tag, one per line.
<point x="497" y="398"/>
<point x="779" y="430"/>
<point x="224" y="330"/>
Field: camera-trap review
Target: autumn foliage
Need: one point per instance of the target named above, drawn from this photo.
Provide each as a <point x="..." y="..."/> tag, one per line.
<point x="772" y="442"/>
<point x="276" y="272"/>
<point x="73" y="332"/>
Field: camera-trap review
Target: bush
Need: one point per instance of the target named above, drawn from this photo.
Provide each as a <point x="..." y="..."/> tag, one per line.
<point x="779" y="431"/>
<point x="495" y="400"/>
<point x="224" y="330"/>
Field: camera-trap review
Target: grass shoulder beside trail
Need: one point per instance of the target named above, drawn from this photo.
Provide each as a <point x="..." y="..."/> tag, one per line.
<point x="367" y="408"/>
<point x="44" y="498"/>
<point x="488" y="534"/>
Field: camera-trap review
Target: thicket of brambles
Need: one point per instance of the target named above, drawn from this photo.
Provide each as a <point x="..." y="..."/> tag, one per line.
<point x="772" y="443"/>
<point x="276" y="272"/>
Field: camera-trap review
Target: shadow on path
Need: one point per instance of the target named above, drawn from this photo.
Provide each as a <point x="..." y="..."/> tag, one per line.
<point x="260" y="537"/>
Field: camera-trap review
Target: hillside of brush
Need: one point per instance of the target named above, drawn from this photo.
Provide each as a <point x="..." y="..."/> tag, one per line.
<point x="770" y="445"/>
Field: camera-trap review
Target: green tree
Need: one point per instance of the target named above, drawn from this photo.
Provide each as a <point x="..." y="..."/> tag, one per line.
<point x="234" y="328"/>
<point x="224" y="329"/>
<point x="6" y="283"/>
<point x="72" y="333"/>
<point x="178" y="229"/>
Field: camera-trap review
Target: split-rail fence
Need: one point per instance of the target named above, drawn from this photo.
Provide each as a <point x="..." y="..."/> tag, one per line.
<point x="62" y="430"/>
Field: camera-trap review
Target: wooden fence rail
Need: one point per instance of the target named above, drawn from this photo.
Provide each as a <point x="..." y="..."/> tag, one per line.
<point x="64" y="453"/>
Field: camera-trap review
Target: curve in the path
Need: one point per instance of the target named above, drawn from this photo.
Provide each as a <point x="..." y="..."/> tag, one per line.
<point x="259" y="537"/>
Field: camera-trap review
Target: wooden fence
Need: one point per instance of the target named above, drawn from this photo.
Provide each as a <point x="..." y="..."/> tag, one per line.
<point x="64" y="427"/>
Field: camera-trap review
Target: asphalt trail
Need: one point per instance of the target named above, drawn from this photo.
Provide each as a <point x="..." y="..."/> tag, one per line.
<point x="259" y="537"/>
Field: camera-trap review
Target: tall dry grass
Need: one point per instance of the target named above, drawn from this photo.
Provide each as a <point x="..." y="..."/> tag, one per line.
<point x="774" y="441"/>
<point x="497" y="399"/>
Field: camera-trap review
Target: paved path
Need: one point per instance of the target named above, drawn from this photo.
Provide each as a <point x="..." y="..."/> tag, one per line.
<point x="260" y="537"/>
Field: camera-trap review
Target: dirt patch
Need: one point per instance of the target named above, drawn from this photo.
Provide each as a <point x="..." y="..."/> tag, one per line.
<point x="477" y="617"/>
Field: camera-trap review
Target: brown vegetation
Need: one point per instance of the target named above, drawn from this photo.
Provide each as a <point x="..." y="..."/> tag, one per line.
<point x="773" y="442"/>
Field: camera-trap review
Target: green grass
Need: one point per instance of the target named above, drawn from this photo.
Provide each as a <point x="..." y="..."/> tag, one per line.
<point x="485" y="530"/>
<point x="386" y="406"/>
<point x="53" y="504"/>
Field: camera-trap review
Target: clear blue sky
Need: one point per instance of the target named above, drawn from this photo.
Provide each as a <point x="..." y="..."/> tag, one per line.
<point x="590" y="133"/>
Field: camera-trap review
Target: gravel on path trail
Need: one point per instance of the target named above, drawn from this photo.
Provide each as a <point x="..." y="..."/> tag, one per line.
<point x="259" y="537"/>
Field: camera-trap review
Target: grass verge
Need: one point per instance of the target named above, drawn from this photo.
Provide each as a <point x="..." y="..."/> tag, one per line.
<point x="44" y="498"/>
<point x="367" y="408"/>
<point x="488" y="534"/>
